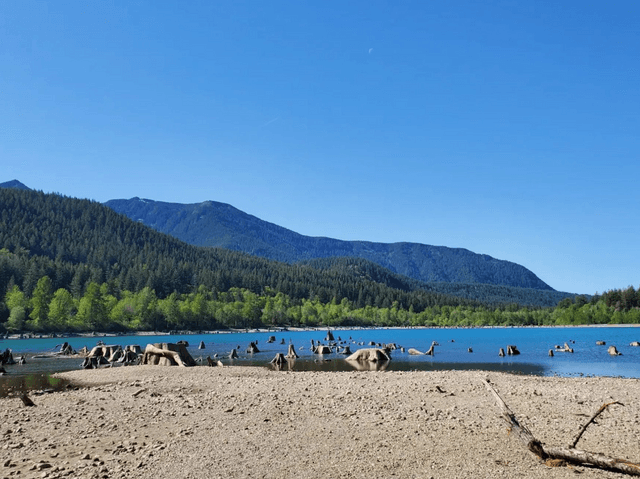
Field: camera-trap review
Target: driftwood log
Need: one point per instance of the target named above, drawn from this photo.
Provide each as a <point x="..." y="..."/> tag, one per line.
<point x="568" y="454"/>
<point x="564" y="349"/>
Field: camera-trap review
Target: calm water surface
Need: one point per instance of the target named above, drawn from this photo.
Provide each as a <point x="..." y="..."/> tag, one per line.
<point x="452" y="352"/>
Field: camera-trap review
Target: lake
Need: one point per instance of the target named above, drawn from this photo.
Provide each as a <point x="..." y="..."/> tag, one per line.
<point x="452" y="351"/>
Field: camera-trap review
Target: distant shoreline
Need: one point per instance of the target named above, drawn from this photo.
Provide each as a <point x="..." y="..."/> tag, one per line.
<point x="295" y="329"/>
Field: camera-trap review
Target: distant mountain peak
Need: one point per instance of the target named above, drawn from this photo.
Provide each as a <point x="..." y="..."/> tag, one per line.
<point x="14" y="184"/>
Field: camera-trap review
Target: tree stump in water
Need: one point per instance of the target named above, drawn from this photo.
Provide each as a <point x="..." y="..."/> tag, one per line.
<point x="291" y="353"/>
<point x="347" y="350"/>
<point x="233" y="354"/>
<point x="512" y="350"/>
<point x="167" y="354"/>
<point x="322" y="349"/>
<point x="252" y="348"/>
<point x="369" y="354"/>
<point x="279" y="359"/>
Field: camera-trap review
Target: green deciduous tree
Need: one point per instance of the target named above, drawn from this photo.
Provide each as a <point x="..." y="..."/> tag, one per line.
<point x="40" y="304"/>
<point x="61" y="309"/>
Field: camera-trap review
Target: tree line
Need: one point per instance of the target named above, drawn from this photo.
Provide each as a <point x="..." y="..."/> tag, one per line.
<point x="104" y="307"/>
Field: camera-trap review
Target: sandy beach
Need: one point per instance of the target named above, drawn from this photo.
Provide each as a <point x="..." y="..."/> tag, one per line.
<point x="248" y="422"/>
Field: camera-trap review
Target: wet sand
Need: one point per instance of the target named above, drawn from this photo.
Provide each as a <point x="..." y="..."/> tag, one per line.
<point x="237" y="422"/>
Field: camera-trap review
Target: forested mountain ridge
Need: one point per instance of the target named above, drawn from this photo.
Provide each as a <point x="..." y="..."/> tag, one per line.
<point x="221" y="225"/>
<point x="77" y="242"/>
<point x="76" y="265"/>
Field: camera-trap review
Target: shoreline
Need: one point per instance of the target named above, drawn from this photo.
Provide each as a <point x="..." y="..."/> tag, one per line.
<point x="236" y="422"/>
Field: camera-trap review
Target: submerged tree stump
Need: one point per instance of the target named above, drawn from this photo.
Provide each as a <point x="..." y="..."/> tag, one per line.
<point x="613" y="351"/>
<point x="279" y="359"/>
<point x="291" y="353"/>
<point x="322" y="349"/>
<point x="369" y="354"/>
<point x="512" y="350"/>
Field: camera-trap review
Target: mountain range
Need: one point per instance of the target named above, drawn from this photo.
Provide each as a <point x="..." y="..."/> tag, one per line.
<point x="450" y="271"/>
<point x="215" y="224"/>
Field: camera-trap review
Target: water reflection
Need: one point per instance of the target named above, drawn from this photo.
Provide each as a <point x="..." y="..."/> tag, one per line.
<point x="369" y="365"/>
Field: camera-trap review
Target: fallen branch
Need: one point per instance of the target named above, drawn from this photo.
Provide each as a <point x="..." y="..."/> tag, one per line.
<point x="570" y="454"/>
<point x="584" y="428"/>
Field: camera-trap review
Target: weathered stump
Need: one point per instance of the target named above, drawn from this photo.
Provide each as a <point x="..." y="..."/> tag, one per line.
<point x="613" y="351"/>
<point x="322" y="349"/>
<point x="279" y="359"/>
<point x="252" y="348"/>
<point x="167" y="354"/>
<point x="512" y="350"/>
<point x="291" y="353"/>
<point x="369" y="354"/>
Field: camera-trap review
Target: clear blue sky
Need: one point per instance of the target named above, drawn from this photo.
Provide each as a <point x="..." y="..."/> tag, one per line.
<point x="509" y="128"/>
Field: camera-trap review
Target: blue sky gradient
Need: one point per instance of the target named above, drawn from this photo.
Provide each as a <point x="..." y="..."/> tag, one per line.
<point x="507" y="128"/>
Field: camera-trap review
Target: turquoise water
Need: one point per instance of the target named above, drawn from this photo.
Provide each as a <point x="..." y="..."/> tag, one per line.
<point x="452" y="352"/>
